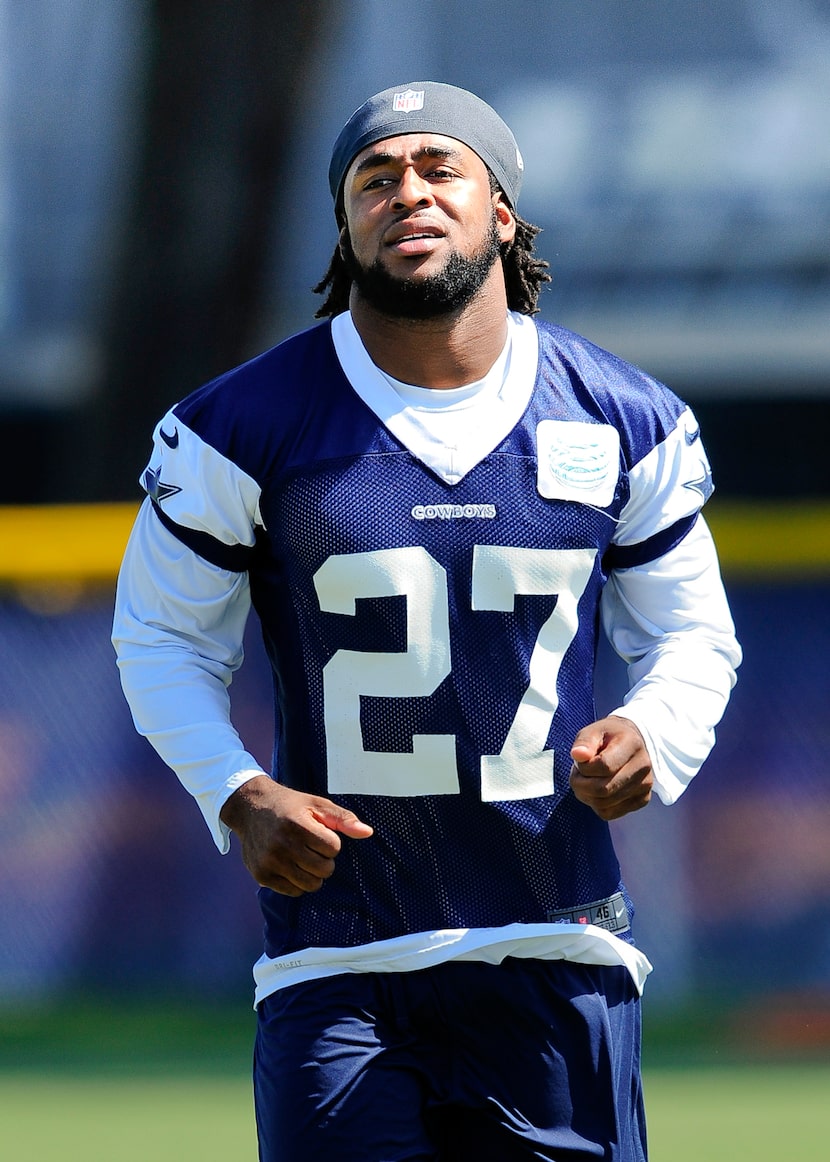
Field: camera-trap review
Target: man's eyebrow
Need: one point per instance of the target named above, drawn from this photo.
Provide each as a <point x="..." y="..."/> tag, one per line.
<point x="376" y="160"/>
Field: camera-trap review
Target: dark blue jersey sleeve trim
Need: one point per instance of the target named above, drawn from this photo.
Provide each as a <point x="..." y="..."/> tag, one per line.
<point x="627" y="556"/>
<point x="233" y="558"/>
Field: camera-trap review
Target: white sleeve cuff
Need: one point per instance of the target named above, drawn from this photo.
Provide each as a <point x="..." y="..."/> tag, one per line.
<point x="178" y="630"/>
<point x="210" y="807"/>
<point x="670" y="621"/>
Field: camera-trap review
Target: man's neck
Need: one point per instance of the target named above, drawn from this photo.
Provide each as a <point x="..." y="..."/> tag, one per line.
<point x="444" y="352"/>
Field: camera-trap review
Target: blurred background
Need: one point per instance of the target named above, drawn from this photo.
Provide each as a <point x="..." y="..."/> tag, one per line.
<point x="164" y="212"/>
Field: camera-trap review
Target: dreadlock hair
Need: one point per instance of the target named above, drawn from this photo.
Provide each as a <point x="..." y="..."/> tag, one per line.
<point x="524" y="274"/>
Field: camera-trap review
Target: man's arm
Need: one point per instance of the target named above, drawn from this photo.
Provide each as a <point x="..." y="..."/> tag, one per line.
<point x="670" y="621"/>
<point x="178" y="629"/>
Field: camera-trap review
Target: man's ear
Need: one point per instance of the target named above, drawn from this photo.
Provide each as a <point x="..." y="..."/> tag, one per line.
<point x="505" y="218"/>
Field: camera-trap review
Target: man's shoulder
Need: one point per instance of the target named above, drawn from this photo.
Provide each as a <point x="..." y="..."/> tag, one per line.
<point x="610" y="379"/>
<point x="254" y="387"/>
<point x="605" y="388"/>
<point x="558" y="341"/>
<point x="270" y="368"/>
<point x="247" y="413"/>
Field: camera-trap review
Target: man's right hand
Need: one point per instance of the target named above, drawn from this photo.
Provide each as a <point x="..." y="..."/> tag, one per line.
<point x="289" y="839"/>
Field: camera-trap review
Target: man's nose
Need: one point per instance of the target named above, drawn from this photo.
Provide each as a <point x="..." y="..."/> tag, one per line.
<point x="413" y="190"/>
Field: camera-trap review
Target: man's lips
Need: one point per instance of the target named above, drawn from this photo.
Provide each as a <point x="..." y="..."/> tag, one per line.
<point x="413" y="237"/>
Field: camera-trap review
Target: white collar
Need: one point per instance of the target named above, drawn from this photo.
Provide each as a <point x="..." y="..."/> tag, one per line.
<point x="430" y="429"/>
<point x="456" y="397"/>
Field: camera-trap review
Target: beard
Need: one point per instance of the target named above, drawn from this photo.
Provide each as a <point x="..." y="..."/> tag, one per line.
<point x="451" y="288"/>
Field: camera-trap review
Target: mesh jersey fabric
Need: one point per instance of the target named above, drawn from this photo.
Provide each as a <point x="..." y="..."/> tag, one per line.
<point x="350" y="585"/>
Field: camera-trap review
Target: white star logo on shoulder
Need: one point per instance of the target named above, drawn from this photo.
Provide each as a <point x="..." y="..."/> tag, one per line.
<point x="577" y="461"/>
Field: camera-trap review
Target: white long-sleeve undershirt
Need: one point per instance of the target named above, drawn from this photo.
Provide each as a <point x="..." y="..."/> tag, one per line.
<point x="179" y="623"/>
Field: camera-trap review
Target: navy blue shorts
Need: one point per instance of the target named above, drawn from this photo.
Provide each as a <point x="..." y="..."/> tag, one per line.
<point x="461" y="1062"/>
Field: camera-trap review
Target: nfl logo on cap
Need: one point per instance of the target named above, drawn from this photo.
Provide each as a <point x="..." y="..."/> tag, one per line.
<point x="409" y="101"/>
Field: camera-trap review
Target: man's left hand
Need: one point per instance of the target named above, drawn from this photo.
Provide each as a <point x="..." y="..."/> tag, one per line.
<point x="612" y="771"/>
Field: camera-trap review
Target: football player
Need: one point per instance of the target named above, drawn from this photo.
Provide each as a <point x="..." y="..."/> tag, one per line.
<point x="434" y="503"/>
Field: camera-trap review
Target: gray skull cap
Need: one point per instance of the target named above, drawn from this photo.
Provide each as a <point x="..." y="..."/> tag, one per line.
<point x="430" y="107"/>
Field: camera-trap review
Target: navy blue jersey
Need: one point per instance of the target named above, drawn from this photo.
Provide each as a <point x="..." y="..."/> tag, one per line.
<point x="433" y="643"/>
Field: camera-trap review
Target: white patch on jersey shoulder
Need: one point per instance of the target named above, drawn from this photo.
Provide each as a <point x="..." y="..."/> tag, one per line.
<point x="577" y="461"/>
<point x="671" y="482"/>
<point x="198" y="487"/>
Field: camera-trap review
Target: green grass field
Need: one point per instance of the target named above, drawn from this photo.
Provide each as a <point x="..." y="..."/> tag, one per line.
<point x="88" y="1119"/>
<point x="757" y="1113"/>
<point x="739" y="1113"/>
<point x="88" y="1084"/>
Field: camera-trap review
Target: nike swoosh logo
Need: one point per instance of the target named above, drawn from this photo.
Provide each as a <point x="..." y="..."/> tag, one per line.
<point x="173" y="441"/>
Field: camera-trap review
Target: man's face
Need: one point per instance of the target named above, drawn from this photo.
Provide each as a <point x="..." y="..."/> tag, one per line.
<point x="423" y="227"/>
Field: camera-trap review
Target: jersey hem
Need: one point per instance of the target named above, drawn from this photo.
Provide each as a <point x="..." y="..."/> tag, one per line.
<point x="582" y="943"/>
